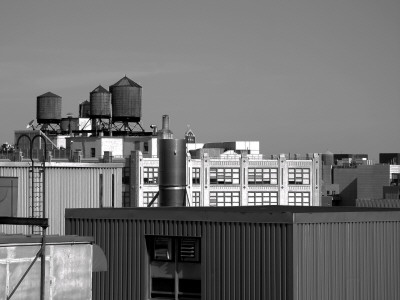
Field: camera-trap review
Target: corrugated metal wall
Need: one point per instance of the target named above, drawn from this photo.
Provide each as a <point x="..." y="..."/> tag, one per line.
<point x="347" y="261"/>
<point x="239" y="260"/>
<point x="246" y="261"/>
<point x="67" y="186"/>
<point x="393" y="203"/>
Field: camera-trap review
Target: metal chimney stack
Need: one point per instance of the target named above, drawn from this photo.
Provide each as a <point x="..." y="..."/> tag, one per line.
<point x="165" y="122"/>
<point x="172" y="172"/>
<point x="165" y="132"/>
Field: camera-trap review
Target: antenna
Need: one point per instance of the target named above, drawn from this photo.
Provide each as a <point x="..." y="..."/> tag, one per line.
<point x="30" y="124"/>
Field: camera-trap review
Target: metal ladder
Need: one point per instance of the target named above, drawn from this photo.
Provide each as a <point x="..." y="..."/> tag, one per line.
<point x="36" y="180"/>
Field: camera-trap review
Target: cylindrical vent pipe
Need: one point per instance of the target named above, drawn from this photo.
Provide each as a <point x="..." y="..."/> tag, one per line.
<point x="165" y="122"/>
<point x="165" y="133"/>
<point x="172" y="172"/>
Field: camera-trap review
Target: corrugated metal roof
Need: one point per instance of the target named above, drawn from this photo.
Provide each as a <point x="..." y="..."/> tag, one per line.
<point x="49" y="94"/>
<point x="247" y="214"/>
<point x="126" y="82"/>
<point x="99" y="89"/>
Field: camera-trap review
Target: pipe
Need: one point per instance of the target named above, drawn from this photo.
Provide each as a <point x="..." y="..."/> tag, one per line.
<point x="172" y="172"/>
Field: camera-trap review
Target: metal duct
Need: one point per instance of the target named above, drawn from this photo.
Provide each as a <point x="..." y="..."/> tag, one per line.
<point x="172" y="172"/>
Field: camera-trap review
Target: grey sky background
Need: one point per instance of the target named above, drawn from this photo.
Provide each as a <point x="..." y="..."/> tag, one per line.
<point x="298" y="75"/>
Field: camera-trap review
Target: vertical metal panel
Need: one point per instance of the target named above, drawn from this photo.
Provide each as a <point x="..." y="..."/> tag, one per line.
<point x="71" y="186"/>
<point x="245" y="260"/>
<point x="352" y="260"/>
<point x="239" y="260"/>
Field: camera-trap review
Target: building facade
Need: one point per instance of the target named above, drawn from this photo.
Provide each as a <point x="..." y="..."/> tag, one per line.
<point x="231" y="179"/>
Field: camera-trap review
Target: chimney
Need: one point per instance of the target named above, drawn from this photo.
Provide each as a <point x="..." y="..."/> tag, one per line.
<point x="165" y="133"/>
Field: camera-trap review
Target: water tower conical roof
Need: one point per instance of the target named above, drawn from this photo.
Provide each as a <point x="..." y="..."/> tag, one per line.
<point x="99" y="89"/>
<point x="125" y="81"/>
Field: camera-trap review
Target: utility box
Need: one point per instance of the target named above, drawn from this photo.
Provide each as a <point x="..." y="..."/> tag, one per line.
<point x="70" y="261"/>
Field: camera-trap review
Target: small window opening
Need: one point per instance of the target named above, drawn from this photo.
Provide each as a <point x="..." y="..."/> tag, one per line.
<point x="175" y="267"/>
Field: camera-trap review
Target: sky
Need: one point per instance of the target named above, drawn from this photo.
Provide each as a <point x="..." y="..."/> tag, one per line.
<point x="299" y="76"/>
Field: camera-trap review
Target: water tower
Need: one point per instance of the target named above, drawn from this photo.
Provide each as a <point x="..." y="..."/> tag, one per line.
<point x="48" y="112"/>
<point x="126" y="99"/>
<point x="100" y="109"/>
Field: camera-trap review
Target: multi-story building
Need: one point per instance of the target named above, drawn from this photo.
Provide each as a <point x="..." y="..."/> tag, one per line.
<point x="353" y="177"/>
<point x="231" y="179"/>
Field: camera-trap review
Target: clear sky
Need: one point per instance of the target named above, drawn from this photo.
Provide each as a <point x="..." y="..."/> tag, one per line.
<point x="298" y="75"/>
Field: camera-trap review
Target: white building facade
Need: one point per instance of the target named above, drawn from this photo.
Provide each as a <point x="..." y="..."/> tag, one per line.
<point x="232" y="179"/>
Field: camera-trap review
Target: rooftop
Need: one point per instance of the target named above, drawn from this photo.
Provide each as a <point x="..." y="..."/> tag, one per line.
<point x="252" y="214"/>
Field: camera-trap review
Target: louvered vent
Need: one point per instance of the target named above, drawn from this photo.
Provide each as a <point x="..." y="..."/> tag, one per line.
<point x="189" y="250"/>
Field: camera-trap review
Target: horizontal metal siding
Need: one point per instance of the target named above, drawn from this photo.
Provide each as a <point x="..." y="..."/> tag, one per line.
<point x="65" y="188"/>
<point x="239" y="260"/>
<point x="347" y="261"/>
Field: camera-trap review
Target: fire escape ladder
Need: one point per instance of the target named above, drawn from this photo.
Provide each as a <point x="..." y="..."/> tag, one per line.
<point x="36" y="174"/>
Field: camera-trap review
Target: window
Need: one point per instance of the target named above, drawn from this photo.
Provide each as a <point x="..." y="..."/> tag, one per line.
<point x="146" y="147"/>
<point x="147" y="197"/>
<point x="299" y="198"/>
<point x="137" y="145"/>
<point x="395" y="180"/>
<point x="299" y="176"/>
<point x="263" y="176"/>
<point x="150" y="175"/>
<point x="224" y="199"/>
<point x="175" y="267"/>
<point x="126" y="199"/>
<point x="92" y="152"/>
<point x="126" y="175"/>
<point x="196" y="175"/>
<point x="196" y="198"/>
<point x="263" y="198"/>
<point x="224" y="176"/>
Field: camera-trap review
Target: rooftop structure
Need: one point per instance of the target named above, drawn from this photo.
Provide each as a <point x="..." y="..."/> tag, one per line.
<point x="70" y="261"/>
<point x="303" y="253"/>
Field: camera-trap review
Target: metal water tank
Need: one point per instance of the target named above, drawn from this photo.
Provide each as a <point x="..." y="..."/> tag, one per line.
<point x="100" y="103"/>
<point x="84" y="109"/>
<point x="126" y="97"/>
<point x="67" y="122"/>
<point x="48" y="108"/>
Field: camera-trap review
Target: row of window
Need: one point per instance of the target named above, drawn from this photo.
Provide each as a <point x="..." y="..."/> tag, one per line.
<point x="299" y="198"/>
<point x="224" y="176"/>
<point x="233" y="198"/>
<point x="229" y="176"/>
